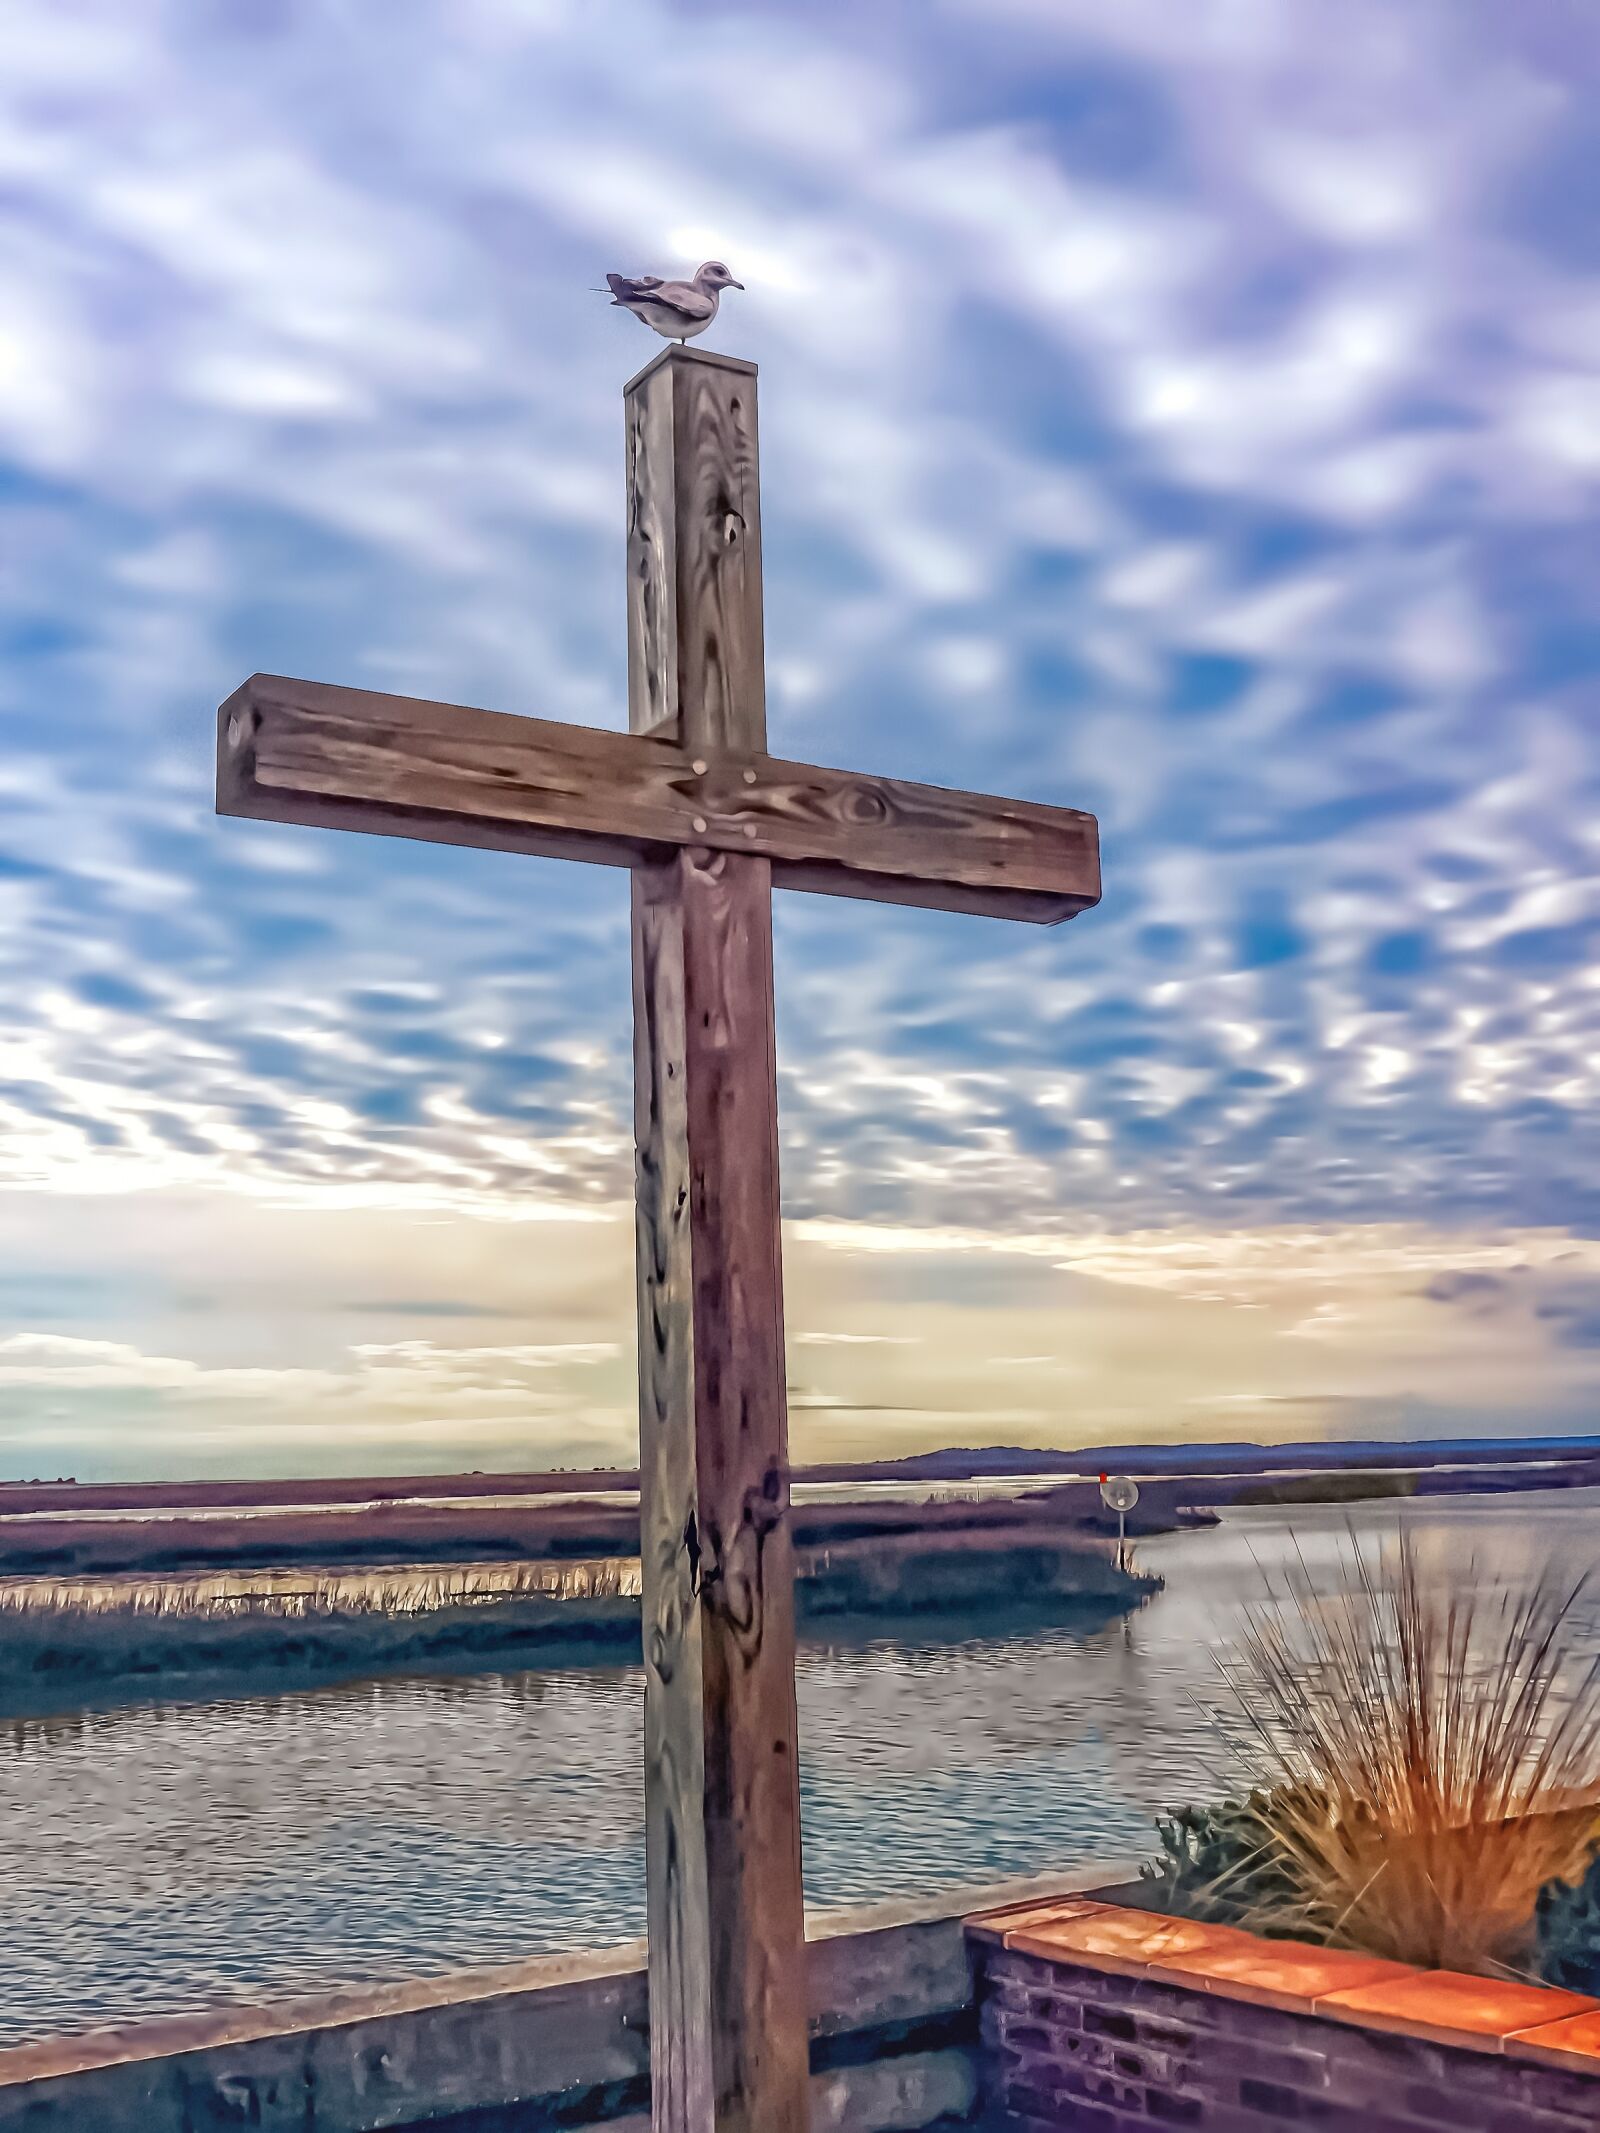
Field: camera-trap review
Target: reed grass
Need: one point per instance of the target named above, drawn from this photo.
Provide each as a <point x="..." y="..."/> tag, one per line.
<point x="61" y="1640"/>
<point x="1431" y="1749"/>
<point x="298" y="1594"/>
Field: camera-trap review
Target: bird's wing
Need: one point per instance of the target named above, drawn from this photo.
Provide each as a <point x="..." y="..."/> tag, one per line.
<point x="634" y="287"/>
<point x="682" y="297"/>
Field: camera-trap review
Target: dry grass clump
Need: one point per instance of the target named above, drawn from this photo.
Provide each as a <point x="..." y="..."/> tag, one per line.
<point x="297" y="1595"/>
<point x="1431" y="1747"/>
<point x="60" y="1639"/>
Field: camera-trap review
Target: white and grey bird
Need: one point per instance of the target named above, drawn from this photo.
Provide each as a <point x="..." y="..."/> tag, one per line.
<point x="677" y="310"/>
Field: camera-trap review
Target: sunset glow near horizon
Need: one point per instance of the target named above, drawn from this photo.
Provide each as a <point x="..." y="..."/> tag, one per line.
<point x="1189" y="414"/>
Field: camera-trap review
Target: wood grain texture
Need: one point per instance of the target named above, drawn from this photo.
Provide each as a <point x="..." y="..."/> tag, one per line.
<point x="653" y="673"/>
<point x="708" y="822"/>
<point x="726" y="1911"/>
<point x="695" y="651"/>
<point x="722" y="1800"/>
<point x="307" y="752"/>
<point x="683" y="2076"/>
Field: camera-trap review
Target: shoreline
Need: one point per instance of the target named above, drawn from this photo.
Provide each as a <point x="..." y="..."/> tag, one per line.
<point x="321" y="1598"/>
<point x="67" y="1662"/>
<point x="409" y="1533"/>
<point x="952" y="1466"/>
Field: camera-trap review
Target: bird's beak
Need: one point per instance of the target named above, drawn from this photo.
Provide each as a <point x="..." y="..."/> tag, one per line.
<point x="735" y="284"/>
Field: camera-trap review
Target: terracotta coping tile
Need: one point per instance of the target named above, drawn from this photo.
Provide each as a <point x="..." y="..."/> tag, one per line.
<point x="1128" y="1942"/>
<point x="1285" y="1974"/>
<point x="1537" y="2022"/>
<point x="1573" y="2043"/>
<point x="1448" y="2007"/>
<point x="993" y="1926"/>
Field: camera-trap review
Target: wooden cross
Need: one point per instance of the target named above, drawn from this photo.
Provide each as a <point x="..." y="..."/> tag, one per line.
<point x="707" y="822"/>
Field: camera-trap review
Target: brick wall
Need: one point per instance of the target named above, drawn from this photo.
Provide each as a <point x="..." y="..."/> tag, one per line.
<point x="1100" y="2053"/>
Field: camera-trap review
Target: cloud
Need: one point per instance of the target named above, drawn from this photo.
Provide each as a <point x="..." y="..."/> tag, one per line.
<point x="911" y="1338"/>
<point x="1481" y="1292"/>
<point x="1161" y="415"/>
<point x="1572" y="1306"/>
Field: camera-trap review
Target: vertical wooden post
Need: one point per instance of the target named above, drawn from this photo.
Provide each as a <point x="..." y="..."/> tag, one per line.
<point x="726" y="1915"/>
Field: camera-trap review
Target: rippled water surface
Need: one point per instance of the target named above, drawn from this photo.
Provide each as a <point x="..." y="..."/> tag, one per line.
<point x="158" y="1859"/>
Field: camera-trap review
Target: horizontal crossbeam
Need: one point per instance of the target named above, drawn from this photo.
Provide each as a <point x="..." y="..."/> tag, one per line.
<point x="307" y="752"/>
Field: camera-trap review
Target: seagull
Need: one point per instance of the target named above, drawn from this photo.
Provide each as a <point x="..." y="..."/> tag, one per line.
<point x="677" y="310"/>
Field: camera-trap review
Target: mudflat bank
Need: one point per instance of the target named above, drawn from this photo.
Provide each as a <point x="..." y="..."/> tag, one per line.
<point x="60" y="1656"/>
<point x="564" y="1529"/>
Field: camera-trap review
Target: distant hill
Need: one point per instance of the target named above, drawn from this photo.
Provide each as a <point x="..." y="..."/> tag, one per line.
<point x="970" y="1463"/>
<point x="953" y="1464"/>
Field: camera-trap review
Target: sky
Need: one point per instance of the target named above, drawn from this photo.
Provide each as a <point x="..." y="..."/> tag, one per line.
<point x="1187" y="413"/>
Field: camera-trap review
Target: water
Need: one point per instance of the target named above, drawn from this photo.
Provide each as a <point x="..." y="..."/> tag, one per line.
<point x="974" y="1490"/>
<point x="165" y="1858"/>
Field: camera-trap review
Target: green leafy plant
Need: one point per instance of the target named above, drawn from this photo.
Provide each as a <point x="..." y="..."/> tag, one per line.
<point x="1567" y="1931"/>
<point x="1222" y="1864"/>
